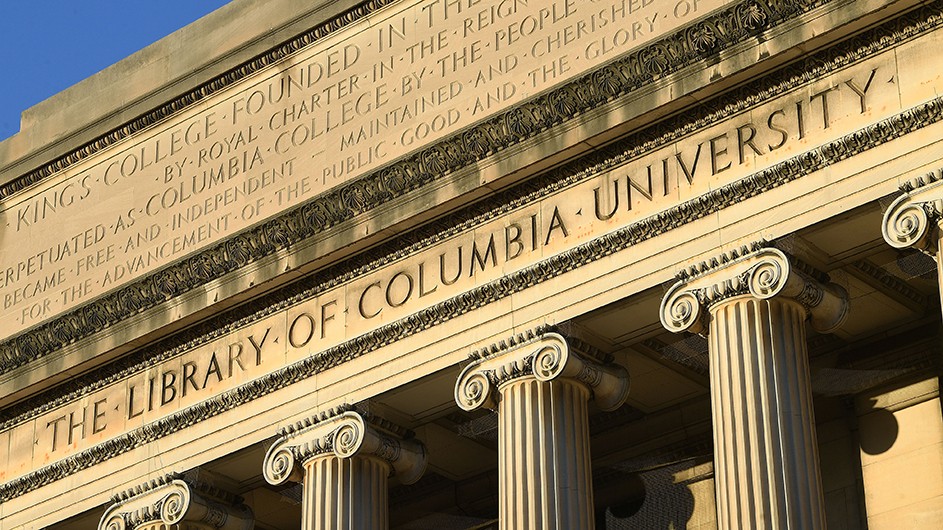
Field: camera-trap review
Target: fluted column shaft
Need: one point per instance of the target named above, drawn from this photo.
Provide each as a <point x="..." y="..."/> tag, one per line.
<point x="938" y="257"/>
<point x="345" y="458"/>
<point x="541" y="385"/>
<point x="753" y="304"/>
<point x="544" y="467"/>
<point x="766" y="461"/>
<point x="345" y="493"/>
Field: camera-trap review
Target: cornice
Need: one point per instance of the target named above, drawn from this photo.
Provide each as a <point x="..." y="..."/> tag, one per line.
<point x="635" y="146"/>
<point x="195" y="95"/>
<point x="759" y="270"/>
<point x="683" y="48"/>
<point x="755" y="184"/>
<point x="544" y="356"/>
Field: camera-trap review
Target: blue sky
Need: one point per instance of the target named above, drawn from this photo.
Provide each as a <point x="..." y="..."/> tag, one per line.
<point x="47" y="46"/>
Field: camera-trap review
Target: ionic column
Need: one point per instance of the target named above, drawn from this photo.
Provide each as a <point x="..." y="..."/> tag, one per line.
<point x="753" y="305"/>
<point x="178" y="503"/>
<point x="913" y="219"/>
<point x="343" y="459"/>
<point x="540" y="388"/>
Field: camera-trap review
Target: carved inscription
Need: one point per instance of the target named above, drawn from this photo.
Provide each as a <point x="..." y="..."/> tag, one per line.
<point x="694" y="165"/>
<point x="340" y="109"/>
<point x="186" y="380"/>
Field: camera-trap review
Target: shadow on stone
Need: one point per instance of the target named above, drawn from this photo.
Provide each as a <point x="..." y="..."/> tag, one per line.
<point x="878" y="429"/>
<point x="658" y="501"/>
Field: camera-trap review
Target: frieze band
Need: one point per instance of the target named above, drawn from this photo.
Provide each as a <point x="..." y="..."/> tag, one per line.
<point x="775" y="176"/>
<point x="35" y="342"/>
<point x="681" y="49"/>
<point x="721" y="30"/>
<point x="663" y="222"/>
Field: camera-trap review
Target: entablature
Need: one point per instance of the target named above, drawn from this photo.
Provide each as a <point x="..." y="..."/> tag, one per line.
<point x="501" y="147"/>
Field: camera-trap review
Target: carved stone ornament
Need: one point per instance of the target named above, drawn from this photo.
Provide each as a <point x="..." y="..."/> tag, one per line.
<point x="52" y="337"/>
<point x="177" y="502"/>
<point x="721" y="30"/>
<point x="546" y="357"/>
<point x="345" y="433"/>
<point x="912" y="219"/>
<point x="760" y="271"/>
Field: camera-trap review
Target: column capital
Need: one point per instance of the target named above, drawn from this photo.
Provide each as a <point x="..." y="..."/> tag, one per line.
<point x="173" y="500"/>
<point x="345" y="433"/>
<point x="759" y="270"/>
<point x="545" y="356"/>
<point x="911" y="219"/>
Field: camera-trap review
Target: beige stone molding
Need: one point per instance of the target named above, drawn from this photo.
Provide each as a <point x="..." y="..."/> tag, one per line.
<point x="41" y="341"/>
<point x="546" y="357"/>
<point x="761" y="271"/>
<point x="344" y="432"/>
<point x="179" y="503"/>
<point x="410" y="173"/>
<point x="912" y="219"/>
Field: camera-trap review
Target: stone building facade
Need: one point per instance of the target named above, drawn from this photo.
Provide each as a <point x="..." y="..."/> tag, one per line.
<point x="480" y="264"/>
